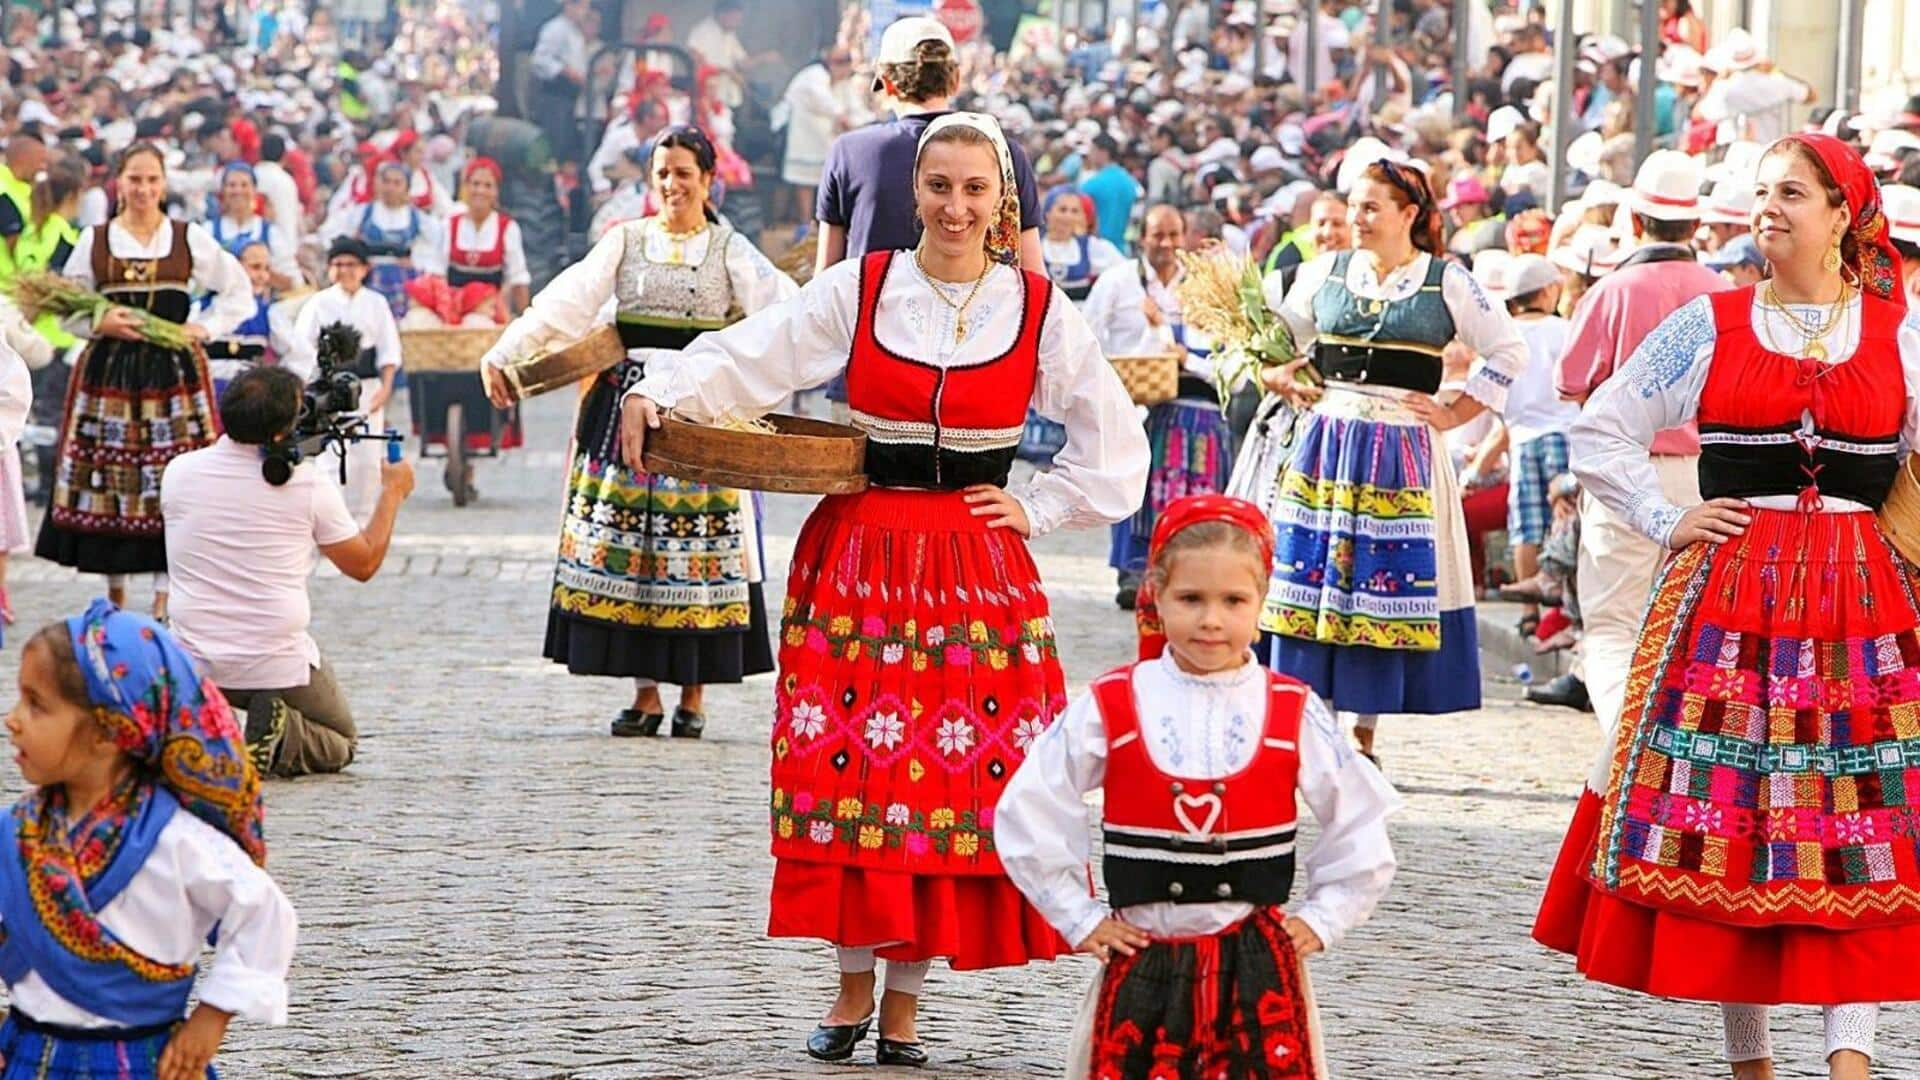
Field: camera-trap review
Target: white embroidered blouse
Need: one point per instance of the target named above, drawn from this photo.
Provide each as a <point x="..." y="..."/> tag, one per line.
<point x="1660" y="386"/>
<point x="750" y="367"/>
<point x="1203" y="726"/>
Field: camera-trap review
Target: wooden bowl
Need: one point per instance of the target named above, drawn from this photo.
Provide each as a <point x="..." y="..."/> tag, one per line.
<point x="566" y="365"/>
<point x="807" y="456"/>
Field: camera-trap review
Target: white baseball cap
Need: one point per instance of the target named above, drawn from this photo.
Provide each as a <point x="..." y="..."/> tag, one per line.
<point x="1667" y="187"/>
<point x="1529" y="273"/>
<point x="1266" y="159"/>
<point x="1584" y="153"/>
<point x="1602" y="193"/>
<point x="1901" y="204"/>
<point x="900" y="40"/>
<point x="1502" y="121"/>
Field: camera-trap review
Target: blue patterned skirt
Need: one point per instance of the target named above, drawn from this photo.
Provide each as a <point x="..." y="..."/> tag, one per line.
<point x="36" y="1051"/>
<point x="1188" y="440"/>
<point x="1371" y="600"/>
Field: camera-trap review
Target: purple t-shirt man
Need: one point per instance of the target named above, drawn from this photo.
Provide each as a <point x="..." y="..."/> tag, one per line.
<point x="867" y="186"/>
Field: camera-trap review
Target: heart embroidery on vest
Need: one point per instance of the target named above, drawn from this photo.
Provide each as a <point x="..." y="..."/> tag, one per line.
<point x="1183" y="805"/>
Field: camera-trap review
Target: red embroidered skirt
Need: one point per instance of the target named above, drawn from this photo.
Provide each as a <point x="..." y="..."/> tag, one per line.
<point x="1225" y="1006"/>
<point x="917" y="664"/>
<point x="1758" y="838"/>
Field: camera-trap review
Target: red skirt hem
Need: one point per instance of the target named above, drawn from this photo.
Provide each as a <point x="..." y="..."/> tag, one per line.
<point x="972" y="921"/>
<point x="1676" y="955"/>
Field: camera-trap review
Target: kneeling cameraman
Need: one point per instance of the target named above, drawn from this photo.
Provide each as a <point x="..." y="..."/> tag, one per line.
<point x="239" y="552"/>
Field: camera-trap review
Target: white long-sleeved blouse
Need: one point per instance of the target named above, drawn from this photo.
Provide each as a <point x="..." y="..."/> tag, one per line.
<point x="1478" y="322"/>
<point x="582" y="296"/>
<point x="1660" y="386"/>
<point x="1205" y="727"/>
<point x="214" y="271"/>
<point x="194" y="879"/>
<point x="750" y="367"/>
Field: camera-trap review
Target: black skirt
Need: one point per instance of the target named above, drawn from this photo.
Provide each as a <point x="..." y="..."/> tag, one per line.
<point x="682" y="658"/>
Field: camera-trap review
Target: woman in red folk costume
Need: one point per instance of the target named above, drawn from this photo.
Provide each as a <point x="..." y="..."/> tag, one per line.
<point x="1746" y="837"/>
<point x="918" y="659"/>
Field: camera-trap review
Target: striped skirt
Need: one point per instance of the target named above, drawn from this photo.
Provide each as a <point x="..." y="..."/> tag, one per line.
<point x="1188" y="439"/>
<point x="1371" y="600"/>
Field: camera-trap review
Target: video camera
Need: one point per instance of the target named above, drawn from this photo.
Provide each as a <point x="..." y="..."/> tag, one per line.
<point x="329" y="409"/>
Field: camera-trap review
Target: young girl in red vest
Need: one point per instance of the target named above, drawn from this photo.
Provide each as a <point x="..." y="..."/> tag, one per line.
<point x="1201" y="752"/>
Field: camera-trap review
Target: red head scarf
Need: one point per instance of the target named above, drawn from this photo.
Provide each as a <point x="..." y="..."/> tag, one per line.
<point x="481" y="165"/>
<point x="1878" y="266"/>
<point x="1178" y="515"/>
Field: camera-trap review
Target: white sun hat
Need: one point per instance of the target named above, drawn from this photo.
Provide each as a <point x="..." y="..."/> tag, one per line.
<point x="1667" y="187"/>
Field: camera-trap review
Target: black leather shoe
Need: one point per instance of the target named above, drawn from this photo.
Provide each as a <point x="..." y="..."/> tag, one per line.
<point x="632" y="724"/>
<point x="888" y="1052"/>
<point x="835" y="1042"/>
<point x="687" y="724"/>
<point x="1567" y="691"/>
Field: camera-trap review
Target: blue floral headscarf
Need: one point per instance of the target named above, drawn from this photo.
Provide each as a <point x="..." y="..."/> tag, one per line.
<point x="150" y="695"/>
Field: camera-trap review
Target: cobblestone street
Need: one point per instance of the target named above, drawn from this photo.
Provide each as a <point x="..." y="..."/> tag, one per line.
<point x="496" y="888"/>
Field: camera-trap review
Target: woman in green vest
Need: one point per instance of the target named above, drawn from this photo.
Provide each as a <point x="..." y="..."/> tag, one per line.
<point x="49" y="235"/>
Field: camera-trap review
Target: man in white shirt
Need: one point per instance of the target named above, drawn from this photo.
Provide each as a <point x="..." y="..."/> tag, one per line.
<point x="559" y="70"/>
<point x="1132" y="307"/>
<point x="239" y="551"/>
<point x="348" y="300"/>
<point x="1750" y="98"/>
<point x="716" y="41"/>
<point x="278" y="188"/>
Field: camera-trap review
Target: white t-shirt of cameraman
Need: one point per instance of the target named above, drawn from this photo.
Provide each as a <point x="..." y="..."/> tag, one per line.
<point x="239" y="552"/>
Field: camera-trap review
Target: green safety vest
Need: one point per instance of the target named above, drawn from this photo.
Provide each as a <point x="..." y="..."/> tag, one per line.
<point x="33" y="250"/>
<point x="1300" y="238"/>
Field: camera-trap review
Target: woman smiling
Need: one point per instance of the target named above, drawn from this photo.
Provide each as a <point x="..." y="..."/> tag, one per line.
<point x="917" y="657"/>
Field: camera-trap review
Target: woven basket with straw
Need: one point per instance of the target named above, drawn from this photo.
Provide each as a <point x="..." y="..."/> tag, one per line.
<point x="1151" y="378"/>
<point x="1900" y="514"/>
<point x="456" y="348"/>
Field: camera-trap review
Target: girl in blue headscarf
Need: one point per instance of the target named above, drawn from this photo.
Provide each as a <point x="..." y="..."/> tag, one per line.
<point x="140" y="837"/>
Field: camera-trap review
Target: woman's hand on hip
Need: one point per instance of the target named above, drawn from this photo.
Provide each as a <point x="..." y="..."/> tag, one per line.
<point x="638" y="415"/>
<point x="1715" y="521"/>
<point x="1001" y="510"/>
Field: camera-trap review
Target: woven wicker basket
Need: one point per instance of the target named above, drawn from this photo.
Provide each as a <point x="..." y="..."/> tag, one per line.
<point x="456" y="348"/>
<point x="1151" y="378"/>
<point x="1900" y="514"/>
<point x="810" y="456"/>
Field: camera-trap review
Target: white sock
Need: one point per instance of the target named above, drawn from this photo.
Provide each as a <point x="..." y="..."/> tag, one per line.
<point x="1851" y="1027"/>
<point x="1747" y="1036"/>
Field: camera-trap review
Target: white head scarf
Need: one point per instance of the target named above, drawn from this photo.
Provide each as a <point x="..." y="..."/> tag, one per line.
<point x="1003" y="236"/>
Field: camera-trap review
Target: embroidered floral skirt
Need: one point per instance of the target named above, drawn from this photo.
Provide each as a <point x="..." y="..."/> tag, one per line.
<point x="1228" y="1006"/>
<point x="917" y="664"/>
<point x="131" y="408"/>
<point x="40" y="1052"/>
<point x="1371" y="601"/>
<point x="1751" y="838"/>
<point x="1188" y="441"/>
<point x="655" y="574"/>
